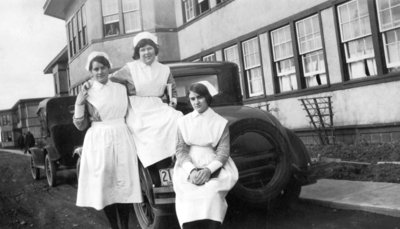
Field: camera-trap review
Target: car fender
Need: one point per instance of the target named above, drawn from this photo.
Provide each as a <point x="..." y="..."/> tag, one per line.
<point x="236" y="113"/>
<point x="53" y="154"/>
<point x="37" y="155"/>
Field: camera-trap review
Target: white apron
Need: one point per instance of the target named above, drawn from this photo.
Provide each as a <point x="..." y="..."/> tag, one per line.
<point x="153" y="123"/>
<point x="202" y="133"/>
<point x="109" y="167"/>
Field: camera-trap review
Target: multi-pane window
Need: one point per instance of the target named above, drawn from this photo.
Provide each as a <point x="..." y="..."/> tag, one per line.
<point x="203" y="5"/>
<point x="84" y="26"/>
<point x="209" y="58"/>
<point x="356" y="37"/>
<point x="389" y="26"/>
<point x="231" y="54"/>
<point x="310" y="49"/>
<point x="110" y="17"/>
<point x="190" y="9"/>
<point x="194" y="8"/>
<point x="284" y="59"/>
<point x="131" y="12"/>
<point x="77" y="31"/>
<point x="6" y="136"/>
<point x="116" y="20"/>
<point x="252" y="67"/>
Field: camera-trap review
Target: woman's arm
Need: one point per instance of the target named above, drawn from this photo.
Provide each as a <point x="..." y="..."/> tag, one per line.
<point x="123" y="76"/>
<point x="174" y="93"/>
<point x="80" y="118"/>
<point x="182" y="154"/>
<point x="222" y="152"/>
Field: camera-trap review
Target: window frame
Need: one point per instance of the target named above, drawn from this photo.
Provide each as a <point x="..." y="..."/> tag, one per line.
<point x="247" y="70"/>
<point x="278" y="60"/>
<point x="383" y="32"/>
<point x="121" y="19"/>
<point x="194" y="9"/>
<point x="238" y="62"/>
<point x="318" y="50"/>
<point x="344" y="43"/>
<point x="77" y="31"/>
<point x="209" y="58"/>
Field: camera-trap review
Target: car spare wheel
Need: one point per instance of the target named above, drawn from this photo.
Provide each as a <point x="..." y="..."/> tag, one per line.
<point x="147" y="215"/>
<point x="261" y="155"/>
<point x="35" y="171"/>
<point x="50" y="169"/>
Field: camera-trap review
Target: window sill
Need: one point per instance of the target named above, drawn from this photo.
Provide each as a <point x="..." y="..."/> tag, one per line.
<point x="258" y="98"/>
<point x="302" y="92"/>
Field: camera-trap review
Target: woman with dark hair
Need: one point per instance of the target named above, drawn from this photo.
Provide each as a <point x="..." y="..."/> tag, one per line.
<point x="109" y="176"/>
<point x="153" y="123"/>
<point x="204" y="172"/>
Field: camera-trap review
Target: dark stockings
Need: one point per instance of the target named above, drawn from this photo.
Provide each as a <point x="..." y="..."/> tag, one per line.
<point x="115" y="211"/>
<point x="202" y="224"/>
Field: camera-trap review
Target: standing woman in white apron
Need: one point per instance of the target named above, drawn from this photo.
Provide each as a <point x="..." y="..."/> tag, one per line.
<point x="204" y="172"/>
<point x="153" y="123"/>
<point x="109" y="176"/>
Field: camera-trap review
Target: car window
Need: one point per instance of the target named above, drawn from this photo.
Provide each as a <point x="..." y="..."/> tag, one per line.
<point x="183" y="83"/>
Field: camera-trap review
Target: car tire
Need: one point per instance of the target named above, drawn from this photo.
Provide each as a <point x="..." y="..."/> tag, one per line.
<point x="147" y="215"/>
<point x="50" y="170"/>
<point x="261" y="154"/>
<point x="34" y="171"/>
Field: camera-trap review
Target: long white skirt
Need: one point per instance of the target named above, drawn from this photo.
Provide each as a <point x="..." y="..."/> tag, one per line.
<point x="154" y="127"/>
<point x="109" y="168"/>
<point x="206" y="201"/>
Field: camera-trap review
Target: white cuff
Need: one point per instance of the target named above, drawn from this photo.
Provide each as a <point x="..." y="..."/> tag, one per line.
<point x="79" y="111"/>
<point x="188" y="167"/>
<point x="214" y="165"/>
<point x="174" y="100"/>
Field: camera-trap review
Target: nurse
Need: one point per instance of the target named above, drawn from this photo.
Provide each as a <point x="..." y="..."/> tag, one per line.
<point x="109" y="176"/>
<point x="204" y="172"/>
<point x="153" y="123"/>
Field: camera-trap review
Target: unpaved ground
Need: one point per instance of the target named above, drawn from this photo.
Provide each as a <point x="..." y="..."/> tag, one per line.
<point x="26" y="203"/>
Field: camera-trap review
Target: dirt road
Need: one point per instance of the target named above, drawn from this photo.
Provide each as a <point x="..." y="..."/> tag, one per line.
<point x="26" y="203"/>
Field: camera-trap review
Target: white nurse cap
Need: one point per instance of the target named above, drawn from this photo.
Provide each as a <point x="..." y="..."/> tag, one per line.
<point x="94" y="54"/>
<point x="144" y="35"/>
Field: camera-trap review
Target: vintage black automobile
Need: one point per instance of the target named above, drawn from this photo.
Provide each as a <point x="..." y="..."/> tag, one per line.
<point x="59" y="138"/>
<point x="273" y="162"/>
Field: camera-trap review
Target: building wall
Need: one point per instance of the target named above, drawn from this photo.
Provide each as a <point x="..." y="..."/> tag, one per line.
<point x="234" y="20"/>
<point x="120" y="48"/>
<point x="6" y="129"/>
<point x="357" y="106"/>
<point x="368" y="101"/>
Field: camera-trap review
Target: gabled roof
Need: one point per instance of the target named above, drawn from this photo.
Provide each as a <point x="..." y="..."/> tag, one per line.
<point x="62" y="57"/>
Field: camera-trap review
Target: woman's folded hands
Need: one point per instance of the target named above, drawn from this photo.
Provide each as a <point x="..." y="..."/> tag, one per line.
<point x="200" y="176"/>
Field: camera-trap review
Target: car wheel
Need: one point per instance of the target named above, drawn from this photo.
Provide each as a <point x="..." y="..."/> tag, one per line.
<point x="147" y="215"/>
<point x="34" y="171"/>
<point x="261" y="154"/>
<point x="50" y="168"/>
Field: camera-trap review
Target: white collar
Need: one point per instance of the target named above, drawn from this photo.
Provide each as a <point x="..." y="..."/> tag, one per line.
<point x="98" y="86"/>
<point x="207" y="112"/>
<point x="143" y="65"/>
